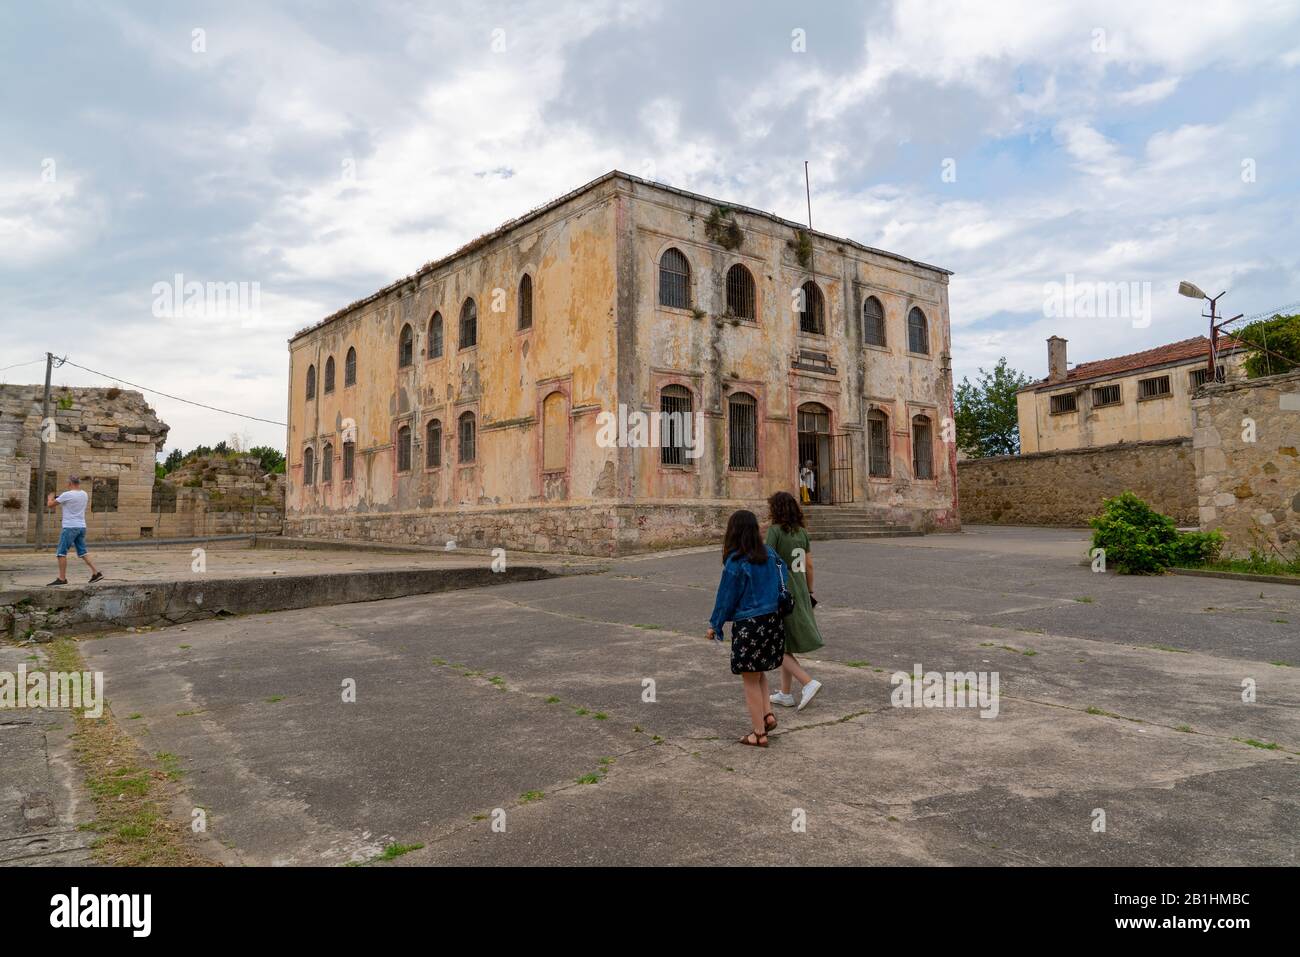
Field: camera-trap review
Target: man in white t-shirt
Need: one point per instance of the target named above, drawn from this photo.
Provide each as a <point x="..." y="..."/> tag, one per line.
<point x="73" y="503"/>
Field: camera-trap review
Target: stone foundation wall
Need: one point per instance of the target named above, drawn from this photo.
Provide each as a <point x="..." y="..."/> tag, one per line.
<point x="1066" y="488"/>
<point x="15" y="474"/>
<point x="1247" y="446"/>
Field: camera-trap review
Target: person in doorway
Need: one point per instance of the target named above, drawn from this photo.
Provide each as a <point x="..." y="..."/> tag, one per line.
<point x="749" y="596"/>
<point x="807" y="483"/>
<point x="73" y="502"/>
<point x="789" y="539"/>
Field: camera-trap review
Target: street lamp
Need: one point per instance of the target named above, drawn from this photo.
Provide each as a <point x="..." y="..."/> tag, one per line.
<point x="1193" y="291"/>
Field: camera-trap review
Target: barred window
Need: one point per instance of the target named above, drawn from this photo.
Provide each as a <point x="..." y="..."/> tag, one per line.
<point x="311" y="382"/>
<point x="922" y="448"/>
<point x="404" y="449"/>
<point x="740" y="292"/>
<point x="674" y="280"/>
<point x="466" y="432"/>
<point x="676" y="421"/>
<point x="103" y="495"/>
<point x="329" y="375"/>
<point x="406" y="346"/>
<point x="742" y="432"/>
<point x="308" y="466"/>
<point x="350" y="368"/>
<point x="327" y="464"/>
<point x="918" y="332"/>
<point x="526" y="302"/>
<point x="349" y="460"/>
<point x="468" y="324"/>
<point x="1153" y="388"/>
<point x="812" y="309"/>
<point x="877" y="444"/>
<point x="1105" y="395"/>
<point x="1202" y="376"/>
<point x="873" y="322"/>
<point x="433" y="444"/>
<point x="435" y="336"/>
<point x="1065" y="402"/>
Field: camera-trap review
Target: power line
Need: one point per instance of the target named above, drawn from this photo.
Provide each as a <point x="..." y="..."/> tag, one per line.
<point x="17" y="364"/>
<point x="177" y="398"/>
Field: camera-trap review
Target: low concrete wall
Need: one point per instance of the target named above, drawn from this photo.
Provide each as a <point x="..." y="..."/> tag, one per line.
<point x="1247" y="442"/>
<point x="1066" y="488"/>
<point x="108" y="607"/>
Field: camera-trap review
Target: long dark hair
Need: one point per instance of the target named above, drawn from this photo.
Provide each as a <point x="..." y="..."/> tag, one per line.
<point x="742" y="538"/>
<point x="783" y="509"/>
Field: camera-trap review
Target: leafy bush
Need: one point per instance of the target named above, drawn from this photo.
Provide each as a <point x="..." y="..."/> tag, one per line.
<point x="1138" y="540"/>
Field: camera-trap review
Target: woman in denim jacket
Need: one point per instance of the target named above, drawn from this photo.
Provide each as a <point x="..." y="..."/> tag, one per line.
<point x="752" y="575"/>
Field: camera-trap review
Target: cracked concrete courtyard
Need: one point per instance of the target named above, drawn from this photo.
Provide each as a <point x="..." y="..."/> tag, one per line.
<point x="1117" y="693"/>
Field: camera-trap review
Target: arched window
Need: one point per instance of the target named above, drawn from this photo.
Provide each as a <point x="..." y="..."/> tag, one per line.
<point x="674" y="280"/>
<point x="311" y="382"/>
<point x="873" y="322"/>
<point x="404" y="449"/>
<point x="526" y="302"/>
<point x="812" y="309"/>
<point x="918" y="332"/>
<point x="740" y="292"/>
<point x="877" y="444"/>
<point x="435" y="336"/>
<point x="350" y="368"/>
<point x="677" y="424"/>
<point x="406" y="346"/>
<point x="349" y="460"/>
<point x="465" y="436"/>
<point x="742" y="432"/>
<point x="433" y="444"/>
<point x="308" y="466"/>
<point x="922" y="448"/>
<point x="468" y="324"/>
<point x="329" y="375"/>
<point x="555" y="433"/>
<point x="327" y="464"/>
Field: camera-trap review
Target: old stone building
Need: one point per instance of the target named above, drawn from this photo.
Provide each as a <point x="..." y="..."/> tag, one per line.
<point x="107" y="437"/>
<point x="496" y="396"/>
<point x="1142" y="397"/>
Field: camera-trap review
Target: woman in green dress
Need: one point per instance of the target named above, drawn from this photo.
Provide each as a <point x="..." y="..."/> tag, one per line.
<point x="789" y="539"/>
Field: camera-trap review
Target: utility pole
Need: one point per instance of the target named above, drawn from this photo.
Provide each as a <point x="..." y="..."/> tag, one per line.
<point x="1215" y="327"/>
<point x="40" y="475"/>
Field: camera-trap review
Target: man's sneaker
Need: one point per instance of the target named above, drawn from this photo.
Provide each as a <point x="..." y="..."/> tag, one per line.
<point x="784" y="699"/>
<point x="96" y="577"/>
<point x="809" y="692"/>
<point x="57" y="581"/>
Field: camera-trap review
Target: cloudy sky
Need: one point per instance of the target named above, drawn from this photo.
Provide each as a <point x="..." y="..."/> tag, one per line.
<point x="321" y="150"/>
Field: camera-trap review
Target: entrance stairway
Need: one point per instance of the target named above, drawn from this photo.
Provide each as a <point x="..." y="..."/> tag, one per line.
<point x="826" y="522"/>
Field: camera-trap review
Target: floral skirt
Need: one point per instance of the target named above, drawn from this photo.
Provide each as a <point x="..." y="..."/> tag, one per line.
<point x="757" y="644"/>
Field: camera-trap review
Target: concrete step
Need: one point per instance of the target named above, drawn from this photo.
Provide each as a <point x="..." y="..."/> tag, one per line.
<point x="840" y="535"/>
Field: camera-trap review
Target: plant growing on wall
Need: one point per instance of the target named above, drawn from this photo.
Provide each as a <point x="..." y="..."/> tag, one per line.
<point x="1138" y="540"/>
<point x="803" y="248"/>
<point x="721" y="228"/>
<point x="1280" y="335"/>
<point x="985" y="412"/>
<point x="13" y="502"/>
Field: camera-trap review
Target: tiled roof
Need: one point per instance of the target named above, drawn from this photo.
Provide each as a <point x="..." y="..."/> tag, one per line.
<point x="1181" y="351"/>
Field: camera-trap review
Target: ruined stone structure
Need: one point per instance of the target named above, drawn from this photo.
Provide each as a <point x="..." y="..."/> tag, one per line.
<point x="467" y="401"/>
<point x="1066" y="488"/>
<point x="110" y="439"/>
<point x="1247" y="444"/>
<point x="1133" y="398"/>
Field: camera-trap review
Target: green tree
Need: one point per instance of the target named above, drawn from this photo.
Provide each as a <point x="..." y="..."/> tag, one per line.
<point x="985" y="412"/>
<point x="1280" y="335"/>
<point x="272" y="459"/>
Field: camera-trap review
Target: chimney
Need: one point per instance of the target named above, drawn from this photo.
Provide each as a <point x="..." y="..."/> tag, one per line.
<point x="1056" y="359"/>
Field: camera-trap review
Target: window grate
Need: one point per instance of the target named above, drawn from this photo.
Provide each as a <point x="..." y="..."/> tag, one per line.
<point x="433" y="445"/>
<point x="878" y="441"/>
<point x="1106" y="395"/>
<point x="327" y="464"/>
<point x="308" y="466"/>
<point x="350" y="368"/>
<point x="467" y="436"/>
<point x="1153" y="388"/>
<point x="435" y="336"/>
<point x="674" y="280"/>
<point x="918" y="332"/>
<point x="311" y="382"/>
<point x="468" y="324"/>
<point x="1202" y="376"/>
<point x="526" y="302"/>
<point x="873" y="322"/>
<point x="741" y="295"/>
<point x="676" y="422"/>
<point x="742" y="431"/>
<point x="404" y="449"/>
<point x="812" y="309"/>
<point x="922" y="448"/>
<point x="406" y="346"/>
<point x="1065" y="402"/>
<point x="349" y="460"/>
<point x="329" y="375"/>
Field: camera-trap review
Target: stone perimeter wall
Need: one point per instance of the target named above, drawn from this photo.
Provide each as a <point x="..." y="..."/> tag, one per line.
<point x="1066" y="488"/>
<point x="1250" y="490"/>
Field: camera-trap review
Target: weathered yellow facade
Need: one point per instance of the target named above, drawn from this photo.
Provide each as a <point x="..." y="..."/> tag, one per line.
<point x="1105" y="402"/>
<point x="539" y="474"/>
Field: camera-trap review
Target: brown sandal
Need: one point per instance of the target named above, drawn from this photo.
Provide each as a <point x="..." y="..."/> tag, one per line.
<point x="772" y="726"/>
<point x="759" y="739"/>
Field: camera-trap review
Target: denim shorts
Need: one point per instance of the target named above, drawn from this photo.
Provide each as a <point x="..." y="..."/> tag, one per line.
<point x="72" y="537"/>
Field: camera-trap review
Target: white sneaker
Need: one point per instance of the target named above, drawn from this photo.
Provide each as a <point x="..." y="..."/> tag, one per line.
<point x="782" y="698"/>
<point x="809" y="692"/>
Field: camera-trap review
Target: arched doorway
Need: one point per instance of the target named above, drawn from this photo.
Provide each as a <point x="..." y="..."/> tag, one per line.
<point x="814" y="430"/>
